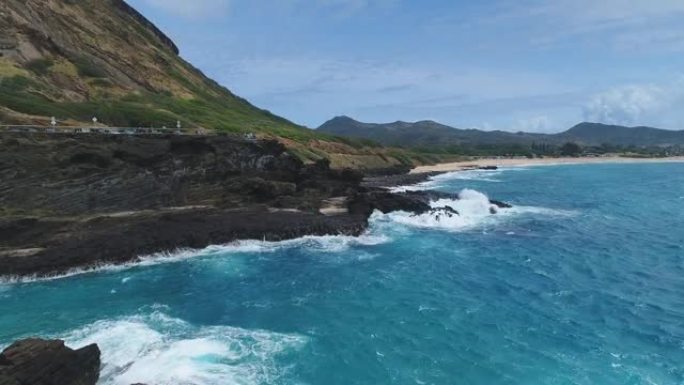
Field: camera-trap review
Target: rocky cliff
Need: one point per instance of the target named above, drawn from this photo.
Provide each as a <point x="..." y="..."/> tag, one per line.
<point x="79" y="201"/>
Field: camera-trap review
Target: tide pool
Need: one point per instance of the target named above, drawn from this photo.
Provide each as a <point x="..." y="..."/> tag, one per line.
<point x="582" y="282"/>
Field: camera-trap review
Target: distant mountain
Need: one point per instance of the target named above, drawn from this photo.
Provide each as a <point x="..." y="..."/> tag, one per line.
<point x="597" y="134"/>
<point x="433" y="134"/>
<point x="422" y="134"/>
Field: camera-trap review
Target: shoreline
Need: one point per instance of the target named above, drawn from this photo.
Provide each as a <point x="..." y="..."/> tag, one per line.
<point x="108" y="200"/>
<point x="514" y="162"/>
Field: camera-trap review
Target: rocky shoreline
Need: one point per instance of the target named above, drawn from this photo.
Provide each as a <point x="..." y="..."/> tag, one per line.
<point x="73" y="202"/>
<point x="79" y="203"/>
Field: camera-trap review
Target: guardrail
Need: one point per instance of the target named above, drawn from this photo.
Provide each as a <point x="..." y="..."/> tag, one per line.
<point x="90" y="130"/>
<point x="98" y="130"/>
<point x="86" y="130"/>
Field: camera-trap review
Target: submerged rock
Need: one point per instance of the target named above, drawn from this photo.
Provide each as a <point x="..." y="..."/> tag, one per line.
<point x="49" y="362"/>
<point x="444" y="212"/>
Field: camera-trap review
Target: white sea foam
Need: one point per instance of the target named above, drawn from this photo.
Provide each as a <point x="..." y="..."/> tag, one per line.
<point x="323" y="244"/>
<point x="326" y="243"/>
<point x="476" y="175"/>
<point x="474" y="210"/>
<point x="158" y="349"/>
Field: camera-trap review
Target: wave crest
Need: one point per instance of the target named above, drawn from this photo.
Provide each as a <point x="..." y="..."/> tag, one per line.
<point x="158" y="349"/>
<point x="472" y="209"/>
<point x="322" y="244"/>
<point x="439" y="180"/>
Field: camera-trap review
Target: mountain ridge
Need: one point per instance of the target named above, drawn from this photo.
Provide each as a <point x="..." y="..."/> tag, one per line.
<point x="429" y="133"/>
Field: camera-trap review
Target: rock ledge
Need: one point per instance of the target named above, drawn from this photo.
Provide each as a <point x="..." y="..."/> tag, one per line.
<point x="49" y="362"/>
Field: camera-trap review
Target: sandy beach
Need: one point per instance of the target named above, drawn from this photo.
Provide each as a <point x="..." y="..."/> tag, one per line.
<point x="523" y="162"/>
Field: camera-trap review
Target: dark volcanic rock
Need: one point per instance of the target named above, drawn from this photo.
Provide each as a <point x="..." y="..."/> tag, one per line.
<point x="386" y="202"/>
<point x="86" y="174"/>
<point x="501" y="205"/>
<point x="121" y="239"/>
<point x="78" y="201"/>
<point x="43" y="362"/>
<point x="416" y="202"/>
<point x="70" y="200"/>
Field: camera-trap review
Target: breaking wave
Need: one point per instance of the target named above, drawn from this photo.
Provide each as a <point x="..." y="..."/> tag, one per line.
<point x="476" y="175"/>
<point x="472" y="209"/>
<point x="322" y="244"/>
<point x="158" y="349"/>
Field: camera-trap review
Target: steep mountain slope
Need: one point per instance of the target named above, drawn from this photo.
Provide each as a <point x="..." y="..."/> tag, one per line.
<point x="432" y="134"/>
<point x="79" y="59"/>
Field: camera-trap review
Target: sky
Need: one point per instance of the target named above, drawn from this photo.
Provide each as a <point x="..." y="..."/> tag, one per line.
<point x="516" y="65"/>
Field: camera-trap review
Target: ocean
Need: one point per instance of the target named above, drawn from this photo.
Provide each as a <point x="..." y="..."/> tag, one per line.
<point x="582" y="282"/>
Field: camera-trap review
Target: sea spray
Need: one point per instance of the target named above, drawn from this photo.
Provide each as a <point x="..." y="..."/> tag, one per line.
<point x="158" y="349"/>
<point x="324" y="244"/>
<point x="472" y="209"/>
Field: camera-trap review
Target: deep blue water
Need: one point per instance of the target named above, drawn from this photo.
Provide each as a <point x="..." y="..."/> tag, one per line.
<point x="581" y="283"/>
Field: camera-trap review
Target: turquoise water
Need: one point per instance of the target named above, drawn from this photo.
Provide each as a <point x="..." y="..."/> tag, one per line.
<point x="581" y="283"/>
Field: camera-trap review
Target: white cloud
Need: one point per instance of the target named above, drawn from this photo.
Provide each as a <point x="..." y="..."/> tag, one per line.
<point x="540" y="123"/>
<point x="203" y="8"/>
<point x="312" y="90"/>
<point x="646" y="104"/>
<point x="591" y="15"/>
<point x="616" y="24"/>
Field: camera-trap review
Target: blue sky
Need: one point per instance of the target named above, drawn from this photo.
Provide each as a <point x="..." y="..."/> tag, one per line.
<point x="533" y="65"/>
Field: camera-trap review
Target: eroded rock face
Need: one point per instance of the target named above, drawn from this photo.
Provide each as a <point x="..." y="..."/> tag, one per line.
<point x="86" y="174"/>
<point x="79" y="201"/>
<point x="70" y="201"/>
<point x="49" y="362"/>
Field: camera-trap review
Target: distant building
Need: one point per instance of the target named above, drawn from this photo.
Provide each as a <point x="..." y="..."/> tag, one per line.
<point x="251" y="137"/>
